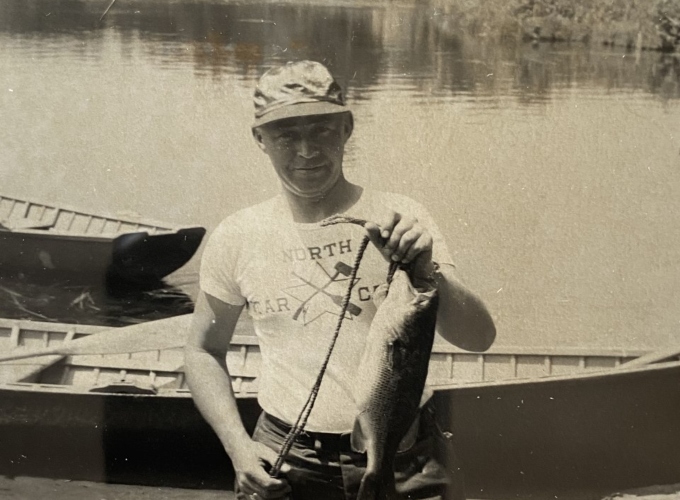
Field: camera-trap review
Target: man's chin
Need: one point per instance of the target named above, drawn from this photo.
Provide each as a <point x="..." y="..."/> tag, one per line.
<point x="316" y="193"/>
<point x="308" y="195"/>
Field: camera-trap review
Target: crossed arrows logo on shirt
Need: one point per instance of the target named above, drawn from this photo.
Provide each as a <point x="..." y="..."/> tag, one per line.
<point x="341" y="269"/>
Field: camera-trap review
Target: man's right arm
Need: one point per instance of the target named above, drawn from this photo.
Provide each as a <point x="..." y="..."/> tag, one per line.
<point x="208" y="377"/>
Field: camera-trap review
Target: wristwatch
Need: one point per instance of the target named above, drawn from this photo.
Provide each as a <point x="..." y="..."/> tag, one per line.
<point x="431" y="279"/>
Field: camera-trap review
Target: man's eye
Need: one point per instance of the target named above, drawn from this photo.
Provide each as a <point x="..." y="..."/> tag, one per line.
<point x="286" y="136"/>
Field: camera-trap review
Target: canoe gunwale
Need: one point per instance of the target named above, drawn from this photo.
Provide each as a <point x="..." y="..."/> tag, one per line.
<point x="109" y="217"/>
<point x="456" y="386"/>
<point x="590" y="375"/>
<point x="41" y="388"/>
<point x="441" y="346"/>
<point x="104" y="237"/>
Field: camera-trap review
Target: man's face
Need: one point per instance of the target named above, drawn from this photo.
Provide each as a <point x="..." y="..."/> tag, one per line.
<point x="307" y="151"/>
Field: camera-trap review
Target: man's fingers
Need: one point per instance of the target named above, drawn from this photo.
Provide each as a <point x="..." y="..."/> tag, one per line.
<point x="270" y="456"/>
<point x="388" y="223"/>
<point x="249" y="483"/>
<point x="405" y="245"/>
<point x="373" y="232"/>
<point x="404" y="225"/>
<point x="406" y="240"/>
<point x="264" y="485"/>
<point x="260" y="481"/>
<point x="254" y="478"/>
<point x="375" y="236"/>
<point x="423" y="244"/>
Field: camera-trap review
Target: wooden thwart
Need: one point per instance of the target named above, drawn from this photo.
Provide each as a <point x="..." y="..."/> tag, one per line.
<point x="653" y="357"/>
<point x="151" y="336"/>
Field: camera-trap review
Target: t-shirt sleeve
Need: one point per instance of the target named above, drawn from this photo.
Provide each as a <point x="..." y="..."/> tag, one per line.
<point x="219" y="265"/>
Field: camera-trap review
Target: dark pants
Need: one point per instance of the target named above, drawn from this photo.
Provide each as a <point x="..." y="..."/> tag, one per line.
<point x="324" y="467"/>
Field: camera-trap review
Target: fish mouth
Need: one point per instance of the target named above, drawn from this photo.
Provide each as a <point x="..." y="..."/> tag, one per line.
<point x="403" y="289"/>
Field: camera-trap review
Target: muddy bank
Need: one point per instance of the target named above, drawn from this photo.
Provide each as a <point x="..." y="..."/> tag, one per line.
<point x="34" y="488"/>
<point x="660" y="492"/>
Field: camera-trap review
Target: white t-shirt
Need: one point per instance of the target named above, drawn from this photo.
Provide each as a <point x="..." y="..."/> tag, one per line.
<point x="292" y="278"/>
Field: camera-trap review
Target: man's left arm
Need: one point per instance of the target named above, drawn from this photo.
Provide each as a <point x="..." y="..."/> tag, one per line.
<point x="462" y="319"/>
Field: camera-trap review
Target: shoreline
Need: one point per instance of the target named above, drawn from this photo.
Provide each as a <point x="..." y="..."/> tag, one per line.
<point x="649" y="26"/>
<point x="38" y="488"/>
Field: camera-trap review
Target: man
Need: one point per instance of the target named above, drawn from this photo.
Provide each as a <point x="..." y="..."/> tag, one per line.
<point x="291" y="273"/>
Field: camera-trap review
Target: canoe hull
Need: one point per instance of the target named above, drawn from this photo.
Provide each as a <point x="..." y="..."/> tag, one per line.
<point x="46" y="243"/>
<point x="523" y="421"/>
<point x="149" y="258"/>
<point x="593" y="433"/>
<point x="113" y="438"/>
<point x="132" y="258"/>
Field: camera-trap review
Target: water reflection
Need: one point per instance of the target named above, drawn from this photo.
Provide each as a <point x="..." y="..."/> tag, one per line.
<point x="664" y="78"/>
<point x="59" y="302"/>
<point x="416" y="46"/>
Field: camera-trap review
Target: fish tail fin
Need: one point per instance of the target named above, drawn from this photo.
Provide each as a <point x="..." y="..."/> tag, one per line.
<point x="377" y="487"/>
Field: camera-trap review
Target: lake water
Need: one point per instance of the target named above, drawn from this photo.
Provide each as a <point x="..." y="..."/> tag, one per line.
<point x="554" y="170"/>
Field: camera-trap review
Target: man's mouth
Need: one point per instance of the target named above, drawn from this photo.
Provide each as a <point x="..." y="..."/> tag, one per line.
<point x="310" y="167"/>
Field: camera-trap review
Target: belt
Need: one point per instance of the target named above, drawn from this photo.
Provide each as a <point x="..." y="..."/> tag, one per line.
<point x="333" y="442"/>
<point x="326" y="441"/>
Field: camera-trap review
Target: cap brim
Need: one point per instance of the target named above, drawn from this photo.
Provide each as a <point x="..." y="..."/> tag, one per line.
<point x="300" y="109"/>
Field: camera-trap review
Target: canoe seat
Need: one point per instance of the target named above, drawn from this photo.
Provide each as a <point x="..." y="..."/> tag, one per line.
<point x="16" y="224"/>
<point x="125" y="388"/>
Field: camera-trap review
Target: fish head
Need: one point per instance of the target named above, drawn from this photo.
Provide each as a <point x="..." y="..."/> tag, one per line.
<point x="402" y="291"/>
<point x="400" y="303"/>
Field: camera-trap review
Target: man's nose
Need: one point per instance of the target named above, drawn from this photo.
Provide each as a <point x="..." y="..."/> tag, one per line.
<point x="306" y="148"/>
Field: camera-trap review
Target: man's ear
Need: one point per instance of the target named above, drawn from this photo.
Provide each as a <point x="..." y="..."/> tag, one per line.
<point x="257" y="135"/>
<point x="348" y="125"/>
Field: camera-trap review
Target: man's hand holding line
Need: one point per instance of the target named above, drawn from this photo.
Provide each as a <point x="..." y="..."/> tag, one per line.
<point x="401" y="238"/>
<point x="250" y="463"/>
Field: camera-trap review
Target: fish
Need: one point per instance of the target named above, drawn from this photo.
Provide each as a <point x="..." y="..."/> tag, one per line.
<point x="391" y="378"/>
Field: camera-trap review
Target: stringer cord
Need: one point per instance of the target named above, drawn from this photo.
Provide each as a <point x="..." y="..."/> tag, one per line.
<point x="299" y="426"/>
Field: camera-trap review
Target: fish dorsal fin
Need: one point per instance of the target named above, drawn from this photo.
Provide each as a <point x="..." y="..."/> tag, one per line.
<point x="357" y="438"/>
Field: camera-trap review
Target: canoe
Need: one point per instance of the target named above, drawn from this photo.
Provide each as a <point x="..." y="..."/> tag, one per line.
<point x="44" y="243"/>
<point x="522" y="420"/>
<point x="583" y="435"/>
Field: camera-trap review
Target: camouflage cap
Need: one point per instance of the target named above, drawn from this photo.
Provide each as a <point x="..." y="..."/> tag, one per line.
<point x="298" y="88"/>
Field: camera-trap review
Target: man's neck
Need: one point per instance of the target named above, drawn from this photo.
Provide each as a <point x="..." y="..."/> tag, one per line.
<point x="339" y="199"/>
